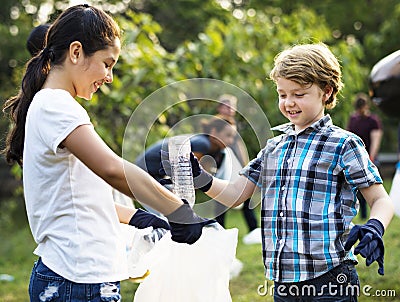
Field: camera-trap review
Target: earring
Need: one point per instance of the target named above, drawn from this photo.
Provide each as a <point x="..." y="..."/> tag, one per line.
<point x="74" y="61"/>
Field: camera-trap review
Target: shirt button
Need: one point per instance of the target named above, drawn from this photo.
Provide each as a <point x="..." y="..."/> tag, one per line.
<point x="281" y="214"/>
<point x="283" y="188"/>
<point x="281" y="241"/>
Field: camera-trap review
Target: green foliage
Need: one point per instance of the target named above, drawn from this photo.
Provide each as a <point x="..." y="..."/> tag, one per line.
<point x="237" y="46"/>
<point x="183" y="19"/>
<point x="386" y="40"/>
<point x="144" y="66"/>
<point x="235" y="43"/>
<point x="241" y="52"/>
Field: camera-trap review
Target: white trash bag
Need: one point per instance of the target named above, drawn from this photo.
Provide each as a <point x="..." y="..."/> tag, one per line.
<point x="182" y="272"/>
<point x="395" y="190"/>
<point x="138" y="243"/>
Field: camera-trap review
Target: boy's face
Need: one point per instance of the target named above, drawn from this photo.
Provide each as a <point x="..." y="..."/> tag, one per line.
<point x="301" y="105"/>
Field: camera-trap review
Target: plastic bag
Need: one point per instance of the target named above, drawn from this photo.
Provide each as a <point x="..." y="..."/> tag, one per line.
<point x="181" y="272"/>
<point x="395" y="190"/>
<point x="138" y="243"/>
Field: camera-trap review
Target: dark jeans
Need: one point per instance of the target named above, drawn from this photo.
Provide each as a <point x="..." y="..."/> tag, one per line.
<point x="45" y="285"/>
<point x="340" y="284"/>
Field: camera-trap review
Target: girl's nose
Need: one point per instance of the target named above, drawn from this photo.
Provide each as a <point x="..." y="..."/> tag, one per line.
<point x="109" y="77"/>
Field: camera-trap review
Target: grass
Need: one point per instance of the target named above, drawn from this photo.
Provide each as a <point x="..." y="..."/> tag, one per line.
<point x="16" y="259"/>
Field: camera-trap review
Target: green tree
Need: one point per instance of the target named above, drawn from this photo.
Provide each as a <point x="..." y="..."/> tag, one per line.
<point x="235" y="43"/>
<point x="144" y="67"/>
<point x="181" y="19"/>
<point x="242" y="51"/>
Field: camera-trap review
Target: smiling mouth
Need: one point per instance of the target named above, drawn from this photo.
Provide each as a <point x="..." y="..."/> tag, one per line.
<point x="97" y="85"/>
<point x="292" y="112"/>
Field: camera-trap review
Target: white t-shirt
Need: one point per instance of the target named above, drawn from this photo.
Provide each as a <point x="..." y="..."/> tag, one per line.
<point x="70" y="209"/>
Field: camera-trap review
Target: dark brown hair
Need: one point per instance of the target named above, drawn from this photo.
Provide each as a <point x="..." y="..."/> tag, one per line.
<point x="361" y="100"/>
<point x="217" y="122"/>
<point x="92" y="27"/>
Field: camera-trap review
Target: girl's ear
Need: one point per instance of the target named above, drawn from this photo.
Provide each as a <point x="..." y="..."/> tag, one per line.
<point x="75" y="52"/>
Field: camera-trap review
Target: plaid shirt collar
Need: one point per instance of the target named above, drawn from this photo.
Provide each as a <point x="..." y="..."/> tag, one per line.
<point x="288" y="128"/>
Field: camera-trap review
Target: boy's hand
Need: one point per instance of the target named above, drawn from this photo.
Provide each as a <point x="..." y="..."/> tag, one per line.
<point x="186" y="226"/>
<point x="142" y="219"/>
<point x="371" y="244"/>
<point x="202" y="180"/>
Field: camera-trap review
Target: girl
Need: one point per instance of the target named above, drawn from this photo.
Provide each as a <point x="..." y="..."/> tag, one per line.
<point x="69" y="171"/>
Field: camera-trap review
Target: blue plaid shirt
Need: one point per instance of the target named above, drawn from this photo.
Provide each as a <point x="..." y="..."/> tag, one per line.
<point x="308" y="183"/>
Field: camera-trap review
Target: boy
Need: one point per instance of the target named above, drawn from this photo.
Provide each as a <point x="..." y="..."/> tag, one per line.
<point x="309" y="177"/>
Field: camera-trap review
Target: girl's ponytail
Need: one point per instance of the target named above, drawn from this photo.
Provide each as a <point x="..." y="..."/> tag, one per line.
<point x="17" y="107"/>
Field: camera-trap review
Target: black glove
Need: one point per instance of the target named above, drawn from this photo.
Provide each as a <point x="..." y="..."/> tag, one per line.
<point x="142" y="219"/>
<point x="371" y="244"/>
<point x="202" y="180"/>
<point x="165" y="182"/>
<point x="186" y="226"/>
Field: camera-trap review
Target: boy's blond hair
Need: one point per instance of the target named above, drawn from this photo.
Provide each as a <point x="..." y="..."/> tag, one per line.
<point x="307" y="64"/>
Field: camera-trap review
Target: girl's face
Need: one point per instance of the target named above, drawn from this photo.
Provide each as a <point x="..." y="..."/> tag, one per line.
<point x="96" y="70"/>
<point x="301" y="105"/>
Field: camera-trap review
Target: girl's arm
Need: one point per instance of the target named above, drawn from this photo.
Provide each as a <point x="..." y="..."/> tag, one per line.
<point x="231" y="194"/>
<point x="379" y="202"/>
<point x="124" y="176"/>
<point x="124" y="213"/>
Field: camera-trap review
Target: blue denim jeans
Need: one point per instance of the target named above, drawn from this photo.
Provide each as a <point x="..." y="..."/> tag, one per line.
<point x="340" y="284"/>
<point x="45" y="286"/>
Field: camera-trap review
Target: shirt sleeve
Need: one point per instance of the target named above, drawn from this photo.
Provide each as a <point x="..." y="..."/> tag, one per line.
<point x="253" y="169"/>
<point x="59" y="116"/>
<point x="358" y="169"/>
<point x="376" y="123"/>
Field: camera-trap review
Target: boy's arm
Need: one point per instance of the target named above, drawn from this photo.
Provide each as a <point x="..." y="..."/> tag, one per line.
<point x="370" y="234"/>
<point x="379" y="201"/>
<point x="231" y="194"/>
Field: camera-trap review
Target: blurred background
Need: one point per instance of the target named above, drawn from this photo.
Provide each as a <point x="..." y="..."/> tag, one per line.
<point x="230" y="40"/>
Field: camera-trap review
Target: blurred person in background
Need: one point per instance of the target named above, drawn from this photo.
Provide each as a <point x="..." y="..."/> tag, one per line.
<point x="227" y="109"/>
<point x="368" y="127"/>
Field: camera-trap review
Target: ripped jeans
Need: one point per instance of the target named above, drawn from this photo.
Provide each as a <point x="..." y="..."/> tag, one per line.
<point x="45" y="286"/>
